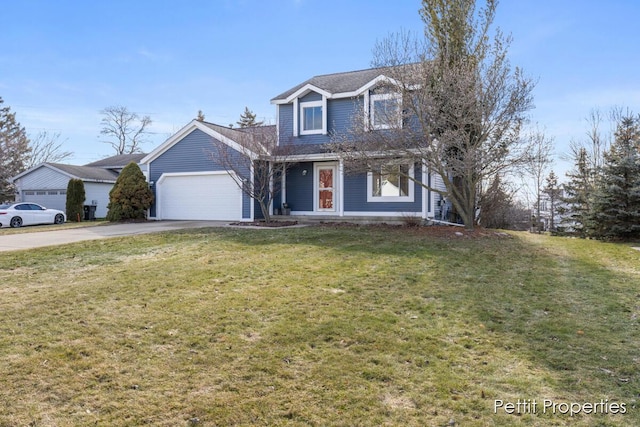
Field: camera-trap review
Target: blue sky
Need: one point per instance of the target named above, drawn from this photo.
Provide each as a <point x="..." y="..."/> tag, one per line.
<point x="63" y="61"/>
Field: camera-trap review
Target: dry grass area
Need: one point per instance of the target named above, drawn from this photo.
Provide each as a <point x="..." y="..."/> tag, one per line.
<point x="317" y="326"/>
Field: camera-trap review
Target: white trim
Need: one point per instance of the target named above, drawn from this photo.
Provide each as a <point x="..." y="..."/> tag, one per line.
<point x="302" y="92"/>
<point x="193" y="125"/>
<point x="335" y="189"/>
<point x="348" y="214"/>
<point x="296" y="107"/>
<point x="165" y="175"/>
<point x="382" y="199"/>
<point x="372" y="111"/>
<point x="312" y="88"/>
<point x="425" y="192"/>
<point x="341" y="186"/>
<point x="323" y="111"/>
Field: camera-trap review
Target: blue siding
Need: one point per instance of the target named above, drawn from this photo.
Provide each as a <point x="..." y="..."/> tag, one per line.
<point x="340" y="112"/>
<point x="195" y="152"/>
<point x="311" y="96"/>
<point x="299" y="188"/>
<point x="355" y="197"/>
<point x="285" y="124"/>
<point x="300" y="193"/>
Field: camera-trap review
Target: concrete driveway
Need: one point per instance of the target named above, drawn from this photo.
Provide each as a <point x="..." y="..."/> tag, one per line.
<point x="15" y="242"/>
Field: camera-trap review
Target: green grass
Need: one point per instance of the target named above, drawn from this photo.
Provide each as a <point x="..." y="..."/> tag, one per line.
<point x="346" y="326"/>
<point x="50" y="227"/>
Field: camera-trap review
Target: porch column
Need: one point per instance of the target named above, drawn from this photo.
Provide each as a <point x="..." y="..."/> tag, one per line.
<point x="341" y="187"/>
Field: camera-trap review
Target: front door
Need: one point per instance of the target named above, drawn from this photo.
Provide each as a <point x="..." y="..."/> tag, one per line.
<point x="326" y="188"/>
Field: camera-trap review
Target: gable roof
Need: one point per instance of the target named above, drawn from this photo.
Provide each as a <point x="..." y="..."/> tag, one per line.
<point x="85" y="173"/>
<point x="226" y="135"/>
<point x="336" y="85"/>
<point x="117" y="161"/>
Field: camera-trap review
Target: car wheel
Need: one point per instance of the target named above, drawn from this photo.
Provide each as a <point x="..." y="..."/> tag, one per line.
<point x="16" y="222"/>
<point x="59" y="219"/>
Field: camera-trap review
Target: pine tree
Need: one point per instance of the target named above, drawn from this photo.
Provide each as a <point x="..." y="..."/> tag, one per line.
<point x="578" y="193"/>
<point x="75" y="200"/>
<point x="14" y="151"/>
<point x="130" y="197"/>
<point x="553" y="192"/>
<point x="248" y="119"/>
<point x="616" y="210"/>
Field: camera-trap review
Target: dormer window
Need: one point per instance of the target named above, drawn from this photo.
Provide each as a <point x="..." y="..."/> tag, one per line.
<point x="311" y="113"/>
<point x="385" y="111"/>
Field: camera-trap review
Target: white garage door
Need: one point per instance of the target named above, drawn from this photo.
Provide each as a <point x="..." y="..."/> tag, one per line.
<point x="52" y="199"/>
<point x="206" y="196"/>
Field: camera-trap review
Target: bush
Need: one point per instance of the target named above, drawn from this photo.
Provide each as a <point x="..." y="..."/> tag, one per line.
<point x="75" y="200"/>
<point x="130" y="197"/>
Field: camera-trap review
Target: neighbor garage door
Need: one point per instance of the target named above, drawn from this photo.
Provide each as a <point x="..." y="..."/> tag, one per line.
<point x="205" y="196"/>
<point x="52" y="199"/>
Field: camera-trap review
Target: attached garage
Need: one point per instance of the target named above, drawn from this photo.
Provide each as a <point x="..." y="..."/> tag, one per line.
<point x="189" y="179"/>
<point x="199" y="196"/>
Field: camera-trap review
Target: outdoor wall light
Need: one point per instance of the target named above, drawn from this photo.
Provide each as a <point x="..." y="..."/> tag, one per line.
<point x="304" y="172"/>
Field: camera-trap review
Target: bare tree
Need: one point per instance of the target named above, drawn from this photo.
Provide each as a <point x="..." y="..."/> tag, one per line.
<point x="47" y="147"/>
<point x="125" y="131"/>
<point x="460" y="105"/>
<point x="257" y="163"/>
<point x="536" y="167"/>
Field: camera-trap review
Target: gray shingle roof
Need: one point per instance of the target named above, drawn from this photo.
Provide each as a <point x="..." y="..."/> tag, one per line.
<point x="87" y="173"/>
<point x="338" y="82"/>
<point x="118" y="161"/>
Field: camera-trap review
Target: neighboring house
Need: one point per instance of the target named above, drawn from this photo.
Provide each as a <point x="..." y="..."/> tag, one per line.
<point x="46" y="183"/>
<point x="190" y="183"/>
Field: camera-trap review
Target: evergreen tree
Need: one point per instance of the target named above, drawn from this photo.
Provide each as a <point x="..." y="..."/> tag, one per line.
<point x="248" y="119"/>
<point x="553" y="192"/>
<point x="578" y="193"/>
<point x="130" y="197"/>
<point x="14" y="151"/>
<point x="75" y="200"/>
<point x="616" y="208"/>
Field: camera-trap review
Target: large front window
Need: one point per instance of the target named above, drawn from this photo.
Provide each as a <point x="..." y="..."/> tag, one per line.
<point x="391" y="183"/>
<point x="311" y="117"/>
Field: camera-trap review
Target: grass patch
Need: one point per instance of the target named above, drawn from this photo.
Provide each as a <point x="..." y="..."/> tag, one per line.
<point x="50" y="227"/>
<point x="317" y="326"/>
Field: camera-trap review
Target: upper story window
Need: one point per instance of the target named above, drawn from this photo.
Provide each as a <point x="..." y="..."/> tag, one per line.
<point x="385" y="111"/>
<point x="390" y="183"/>
<point x="312" y="121"/>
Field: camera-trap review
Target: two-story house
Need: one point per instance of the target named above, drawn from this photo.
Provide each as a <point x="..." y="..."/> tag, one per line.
<point x="190" y="183"/>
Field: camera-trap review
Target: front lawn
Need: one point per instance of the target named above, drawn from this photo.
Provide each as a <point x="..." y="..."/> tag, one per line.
<point x="340" y="326"/>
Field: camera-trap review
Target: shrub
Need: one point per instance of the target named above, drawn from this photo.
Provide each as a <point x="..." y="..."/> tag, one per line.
<point x="130" y="197"/>
<point x="75" y="200"/>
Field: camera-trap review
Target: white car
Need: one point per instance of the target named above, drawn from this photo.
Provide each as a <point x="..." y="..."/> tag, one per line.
<point x="19" y="214"/>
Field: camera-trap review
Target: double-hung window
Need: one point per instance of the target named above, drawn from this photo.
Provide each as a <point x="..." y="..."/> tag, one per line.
<point x="311" y="113"/>
<point x="390" y="183"/>
<point x="385" y="111"/>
